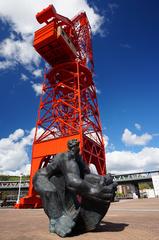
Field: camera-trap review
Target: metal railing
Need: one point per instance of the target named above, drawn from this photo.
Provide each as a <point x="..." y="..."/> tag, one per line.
<point x="134" y="176"/>
<point x="13" y="184"/>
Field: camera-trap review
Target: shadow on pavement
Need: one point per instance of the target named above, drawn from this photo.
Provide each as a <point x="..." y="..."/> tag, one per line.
<point x="103" y="227"/>
<point x="110" y="227"/>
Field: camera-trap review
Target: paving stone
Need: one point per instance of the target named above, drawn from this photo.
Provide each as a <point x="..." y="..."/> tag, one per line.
<point x="125" y="220"/>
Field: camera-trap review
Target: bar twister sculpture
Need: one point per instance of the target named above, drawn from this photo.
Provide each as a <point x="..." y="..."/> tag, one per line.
<point x="74" y="200"/>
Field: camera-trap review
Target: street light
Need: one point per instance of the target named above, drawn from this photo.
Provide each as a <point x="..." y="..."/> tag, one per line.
<point x="20" y="180"/>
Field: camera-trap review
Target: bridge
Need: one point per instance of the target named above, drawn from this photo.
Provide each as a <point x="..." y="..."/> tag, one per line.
<point x="121" y="179"/>
<point x="13" y="185"/>
<point x="135" y="177"/>
<point x="129" y="183"/>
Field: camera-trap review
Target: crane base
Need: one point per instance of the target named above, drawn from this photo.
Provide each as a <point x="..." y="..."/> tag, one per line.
<point x="29" y="202"/>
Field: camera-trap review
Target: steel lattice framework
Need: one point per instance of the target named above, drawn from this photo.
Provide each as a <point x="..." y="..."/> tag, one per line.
<point x="68" y="104"/>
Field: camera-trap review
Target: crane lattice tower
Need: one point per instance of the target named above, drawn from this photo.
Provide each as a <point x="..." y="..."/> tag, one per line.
<point x="68" y="104"/>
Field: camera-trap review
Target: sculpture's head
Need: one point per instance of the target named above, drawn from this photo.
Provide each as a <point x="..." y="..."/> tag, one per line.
<point x="73" y="146"/>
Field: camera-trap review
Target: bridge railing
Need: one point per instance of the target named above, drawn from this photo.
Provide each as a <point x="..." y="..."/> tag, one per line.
<point x="13" y="184"/>
<point x="134" y="176"/>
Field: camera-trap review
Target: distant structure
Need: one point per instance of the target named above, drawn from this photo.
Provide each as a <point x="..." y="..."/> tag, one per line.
<point x="68" y="104"/>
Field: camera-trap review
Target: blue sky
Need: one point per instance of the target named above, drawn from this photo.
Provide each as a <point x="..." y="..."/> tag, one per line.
<point x="127" y="69"/>
<point x="126" y="56"/>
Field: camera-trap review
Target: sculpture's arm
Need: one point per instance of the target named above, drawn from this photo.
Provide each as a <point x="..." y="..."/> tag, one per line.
<point x="72" y="176"/>
<point x="41" y="179"/>
<point x="51" y="169"/>
<point x="83" y="166"/>
<point x="83" y="187"/>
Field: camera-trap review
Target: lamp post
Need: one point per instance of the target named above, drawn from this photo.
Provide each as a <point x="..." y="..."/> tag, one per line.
<point x="20" y="180"/>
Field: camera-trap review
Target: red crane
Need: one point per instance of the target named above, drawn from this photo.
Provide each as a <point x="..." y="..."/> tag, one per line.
<point x="68" y="104"/>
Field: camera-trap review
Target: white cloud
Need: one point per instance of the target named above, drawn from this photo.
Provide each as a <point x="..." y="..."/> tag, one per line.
<point x="37" y="73"/>
<point x="6" y="64"/>
<point x="37" y="88"/>
<point x="155" y="134"/>
<point x="132" y="139"/>
<point x="106" y="140"/>
<point x="18" y="52"/>
<point x="98" y="91"/>
<point x="126" y="161"/>
<point x="125" y="45"/>
<point x="24" y="170"/>
<point x="108" y="146"/>
<point x="21" y="14"/>
<point x="113" y="7"/>
<point x="19" y="133"/>
<point x="138" y="126"/>
<point x="24" y="77"/>
<point x="14" y="158"/>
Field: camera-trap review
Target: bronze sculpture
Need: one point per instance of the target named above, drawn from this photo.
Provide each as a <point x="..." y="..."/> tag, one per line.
<point x="73" y="199"/>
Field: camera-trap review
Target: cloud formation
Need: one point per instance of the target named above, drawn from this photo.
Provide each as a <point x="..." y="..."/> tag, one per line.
<point x="126" y="161"/>
<point x="98" y="91"/>
<point x="132" y="139"/>
<point x="147" y="159"/>
<point x="24" y="77"/>
<point x="14" y="157"/>
<point x="138" y="126"/>
<point x="18" y="52"/>
<point x="106" y="140"/>
<point x="5" y="64"/>
<point x="37" y="73"/>
<point x="113" y="7"/>
<point x="21" y="16"/>
<point x="37" y="87"/>
<point x="125" y="45"/>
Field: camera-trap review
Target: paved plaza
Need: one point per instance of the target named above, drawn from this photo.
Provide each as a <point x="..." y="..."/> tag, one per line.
<point x="126" y="220"/>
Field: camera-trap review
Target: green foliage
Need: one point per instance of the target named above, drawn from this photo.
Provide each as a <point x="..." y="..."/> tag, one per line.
<point x="13" y="178"/>
<point x="145" y="186"/>
<point x="119" y="194"/>
<point x="4" y="178"/>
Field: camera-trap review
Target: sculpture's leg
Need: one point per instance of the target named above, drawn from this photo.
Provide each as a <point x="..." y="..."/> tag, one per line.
<point x="67" y="220"/>
<point x="52" y="193"/>
<point x="91" y="213"/>
<point x="50" y="198"/>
